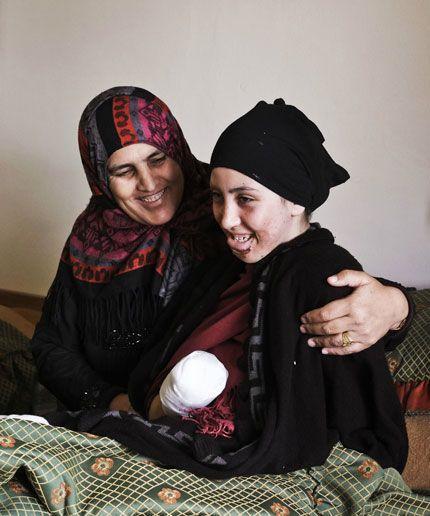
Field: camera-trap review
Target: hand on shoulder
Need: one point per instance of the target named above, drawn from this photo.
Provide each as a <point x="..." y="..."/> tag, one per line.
<point x="367" y="314"/>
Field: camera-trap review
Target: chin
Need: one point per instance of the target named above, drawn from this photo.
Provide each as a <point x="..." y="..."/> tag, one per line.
<point x="253" y="256"/>
<point x="156" y="217"/>
<point x="246" y="257"/>
<point x="159" y="219"/>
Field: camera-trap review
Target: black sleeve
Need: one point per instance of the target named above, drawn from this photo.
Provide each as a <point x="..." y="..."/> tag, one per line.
<point x="346" y="261"/>
<point x="60" y="359"/>
<point x="395" y="337"/>
<point x="361" y="402"/>
<point x="350" y="398"/>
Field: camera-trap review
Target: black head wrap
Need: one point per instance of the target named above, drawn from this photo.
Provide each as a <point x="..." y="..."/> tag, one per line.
<point x="278" y="146"/>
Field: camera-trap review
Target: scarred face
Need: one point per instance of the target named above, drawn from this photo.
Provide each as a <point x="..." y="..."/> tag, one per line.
<point x="254" y="219"/>
<point x="146" y="184"/>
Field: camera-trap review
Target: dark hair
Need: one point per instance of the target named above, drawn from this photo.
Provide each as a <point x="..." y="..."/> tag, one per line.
<point x="308" y="214"/>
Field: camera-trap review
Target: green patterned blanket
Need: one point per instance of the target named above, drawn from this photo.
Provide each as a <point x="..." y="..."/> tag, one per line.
<point x="47" y="470"/>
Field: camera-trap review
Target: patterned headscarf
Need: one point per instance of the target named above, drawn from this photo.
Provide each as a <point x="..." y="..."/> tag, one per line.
<point x="105" y="241"/>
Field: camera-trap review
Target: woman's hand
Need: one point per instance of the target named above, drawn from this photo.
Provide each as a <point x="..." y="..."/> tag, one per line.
<point x="121" y="402"/>
<point x="367" y="314"/>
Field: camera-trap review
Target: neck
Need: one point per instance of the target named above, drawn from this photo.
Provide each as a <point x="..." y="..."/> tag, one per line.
<point x="299" y="227"/>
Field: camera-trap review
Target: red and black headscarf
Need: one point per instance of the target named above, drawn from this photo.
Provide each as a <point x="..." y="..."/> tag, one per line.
<point x="105" y="242"/>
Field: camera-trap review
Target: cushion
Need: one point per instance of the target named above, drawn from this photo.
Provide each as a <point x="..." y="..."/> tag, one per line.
<point x="17" y="370"/>
<point x="409" y="364"/>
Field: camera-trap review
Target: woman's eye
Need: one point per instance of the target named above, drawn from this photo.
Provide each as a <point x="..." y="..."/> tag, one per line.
<point x="122" y="173"/>
<point x="158" y="160"/>
<point x="243" y="199"/>
<point x="216" y="197"/>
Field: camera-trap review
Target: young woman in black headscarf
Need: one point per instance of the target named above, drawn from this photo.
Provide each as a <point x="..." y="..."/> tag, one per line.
<point x="285" y="404"/>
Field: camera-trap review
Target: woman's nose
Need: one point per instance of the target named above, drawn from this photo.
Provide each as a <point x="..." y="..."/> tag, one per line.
<point x="229" y="216"/>
<point x="145" y="181"/>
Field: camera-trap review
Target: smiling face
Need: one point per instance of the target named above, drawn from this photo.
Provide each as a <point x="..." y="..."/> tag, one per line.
<point x="146" y="184"/>
<point x="254" y="219"/>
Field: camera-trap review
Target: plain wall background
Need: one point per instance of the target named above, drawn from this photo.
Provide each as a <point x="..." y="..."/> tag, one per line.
<point x="360" y="69"/>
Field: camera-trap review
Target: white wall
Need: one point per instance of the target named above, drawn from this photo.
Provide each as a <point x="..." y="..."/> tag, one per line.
<point x="359" y="68"/>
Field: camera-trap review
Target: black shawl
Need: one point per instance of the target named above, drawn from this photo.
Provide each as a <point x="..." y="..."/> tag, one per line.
<point x="296" y="402"/>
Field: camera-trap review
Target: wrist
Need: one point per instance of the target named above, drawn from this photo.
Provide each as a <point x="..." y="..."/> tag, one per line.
<point x="400" y="309"/>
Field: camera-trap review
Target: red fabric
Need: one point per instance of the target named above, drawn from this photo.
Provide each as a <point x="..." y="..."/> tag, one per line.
<point x="414" y="396"/>
<point x="123" y="122"/>
<point x="217" y="419"/>
<point x="223" y="333"/>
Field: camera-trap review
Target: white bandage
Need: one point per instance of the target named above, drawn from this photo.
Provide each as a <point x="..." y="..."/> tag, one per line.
<point x="194" y="382"/>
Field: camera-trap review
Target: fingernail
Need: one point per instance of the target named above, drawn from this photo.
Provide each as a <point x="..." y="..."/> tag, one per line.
<point x="334" y="279"/>
<point x="311" y="343"/>
<point x="303" y="318"/>
<point x="324" y="351"/>
<point x="302" y="329"/>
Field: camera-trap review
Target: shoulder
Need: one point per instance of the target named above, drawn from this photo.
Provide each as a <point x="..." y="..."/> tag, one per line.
<point x="317" y="256"/>
<point x="303" y="272"/>
<point x="324" y="257"/>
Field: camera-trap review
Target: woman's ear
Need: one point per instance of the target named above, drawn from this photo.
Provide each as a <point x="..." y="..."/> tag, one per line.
<point x="297" y="210"/>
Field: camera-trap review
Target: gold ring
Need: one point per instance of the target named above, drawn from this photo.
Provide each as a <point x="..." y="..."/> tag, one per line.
<point x="346" y="341"/>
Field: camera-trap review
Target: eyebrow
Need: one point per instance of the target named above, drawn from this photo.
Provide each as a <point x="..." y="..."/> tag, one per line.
<point x="114" y="168"/>
<point x="239" y="189"/>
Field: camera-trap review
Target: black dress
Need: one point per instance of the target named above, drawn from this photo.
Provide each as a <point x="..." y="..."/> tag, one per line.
<point x="296" y="403"/>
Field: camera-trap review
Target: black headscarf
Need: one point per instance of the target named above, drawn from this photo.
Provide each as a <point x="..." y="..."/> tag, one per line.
<point x="278" y="146"/>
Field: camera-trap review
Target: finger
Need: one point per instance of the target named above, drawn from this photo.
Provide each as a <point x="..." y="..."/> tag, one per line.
<point x="350" y="278"/>
<point x="348" y="350"/>
<point x="332" y="310"/>
<point x="329" y="328"/>
<point x="331" y="341"/>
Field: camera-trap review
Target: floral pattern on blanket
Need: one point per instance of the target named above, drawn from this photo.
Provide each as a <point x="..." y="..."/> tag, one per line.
<point x="71" y="473"/>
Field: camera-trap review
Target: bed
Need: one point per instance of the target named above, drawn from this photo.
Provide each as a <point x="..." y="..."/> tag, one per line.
<point x="48" y="470"/>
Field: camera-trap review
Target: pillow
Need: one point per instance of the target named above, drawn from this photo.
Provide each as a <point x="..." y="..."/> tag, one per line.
<point x="417" y="471"/>
<point x="18" y="373"/>
<point x="409" y="363"/>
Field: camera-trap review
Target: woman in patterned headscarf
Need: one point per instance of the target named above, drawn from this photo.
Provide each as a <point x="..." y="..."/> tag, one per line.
<point x="147" y="224"/>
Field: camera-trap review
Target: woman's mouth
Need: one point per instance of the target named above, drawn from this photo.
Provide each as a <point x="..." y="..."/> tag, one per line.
<point x="153" y="198"/>
<point x="240" y="244"/>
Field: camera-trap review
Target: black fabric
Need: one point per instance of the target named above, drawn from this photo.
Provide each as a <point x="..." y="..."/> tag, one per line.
<point x="106" y="127"/>
<point x="278" y="146"/>
<point x="90" y="338"/>
<point x="310" y="400"/>
<point x="88" y="341"/>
